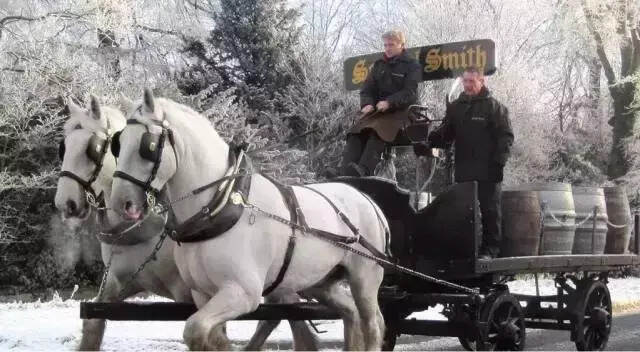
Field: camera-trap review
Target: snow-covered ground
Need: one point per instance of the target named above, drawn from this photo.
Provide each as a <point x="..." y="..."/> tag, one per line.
<point x="54" y="325"/>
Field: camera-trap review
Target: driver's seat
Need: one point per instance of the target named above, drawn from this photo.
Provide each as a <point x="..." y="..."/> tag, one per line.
<point x="416" y="132"/>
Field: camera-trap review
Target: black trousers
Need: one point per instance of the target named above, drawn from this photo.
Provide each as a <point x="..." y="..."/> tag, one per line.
<point x="489" y="196"/>
<point x="363" y="150"/>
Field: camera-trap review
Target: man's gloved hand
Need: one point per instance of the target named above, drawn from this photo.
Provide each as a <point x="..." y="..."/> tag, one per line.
<point x="366" y="109"/>
<point x="422" y="148"/>
<point x="383" y="106"/>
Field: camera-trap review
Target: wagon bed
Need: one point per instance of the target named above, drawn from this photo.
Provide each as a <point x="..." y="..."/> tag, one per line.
<point x="557" y="263"/>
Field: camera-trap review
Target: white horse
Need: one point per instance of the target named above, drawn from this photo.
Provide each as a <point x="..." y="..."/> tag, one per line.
<point x="160" y="276"/>
<point x="227" y="274"/>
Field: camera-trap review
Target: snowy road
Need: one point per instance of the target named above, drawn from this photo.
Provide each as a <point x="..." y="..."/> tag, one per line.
<point x="55" y="325"/>
<point x="625" y="336"/>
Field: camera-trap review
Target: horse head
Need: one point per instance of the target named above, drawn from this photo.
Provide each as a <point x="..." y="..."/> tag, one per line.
<point x="87" y="165"/>
<point x="162" y="140"/>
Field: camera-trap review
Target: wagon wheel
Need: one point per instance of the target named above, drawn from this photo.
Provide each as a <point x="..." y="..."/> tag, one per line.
<point x="462" y="314"/>
<point x="592" y="322"/>
<point x="505" y="329"/>
<point x="505" y="326"/>
<point x="467" y="344"/>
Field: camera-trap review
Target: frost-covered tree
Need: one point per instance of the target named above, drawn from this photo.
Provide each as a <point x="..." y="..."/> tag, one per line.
<point x="57" y="49"/>
<point x="616" y="23"/>
<point x="249" y="47"/>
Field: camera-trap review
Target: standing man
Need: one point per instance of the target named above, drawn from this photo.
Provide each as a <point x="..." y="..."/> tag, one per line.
<point x="390" y="88"/>
<point x="481" y="129"/>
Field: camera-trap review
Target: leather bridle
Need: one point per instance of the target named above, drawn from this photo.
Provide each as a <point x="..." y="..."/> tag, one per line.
<point x="96" y="151"/>
<point x="151" y="148"/>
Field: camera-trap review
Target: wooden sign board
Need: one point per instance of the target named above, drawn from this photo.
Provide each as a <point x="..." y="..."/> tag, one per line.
<point x="440" y="61"/>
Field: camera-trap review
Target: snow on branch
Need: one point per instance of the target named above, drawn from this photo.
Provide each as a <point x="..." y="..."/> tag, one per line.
<point x="19" y="18"/>
<point x="606" y="64"/>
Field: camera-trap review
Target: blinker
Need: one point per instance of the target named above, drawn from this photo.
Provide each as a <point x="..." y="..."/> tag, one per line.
<point x="94" y="149"/>
<point x="61" y="150"/>
<point x="115" y="144"/>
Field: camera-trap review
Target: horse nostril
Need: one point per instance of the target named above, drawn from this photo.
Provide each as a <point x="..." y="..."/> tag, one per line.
<point x="128" y="205"/>
<point x="71" y="206"/>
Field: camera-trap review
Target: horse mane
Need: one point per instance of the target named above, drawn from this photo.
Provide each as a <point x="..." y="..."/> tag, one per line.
<point x="176" y="112"/>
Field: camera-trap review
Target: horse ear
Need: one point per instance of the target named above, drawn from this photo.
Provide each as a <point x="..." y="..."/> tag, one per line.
<point x="125" y="104"/>
<point x="73" y="107"/>
<point x="149" y="103"/>
<point x="95" y="107"/>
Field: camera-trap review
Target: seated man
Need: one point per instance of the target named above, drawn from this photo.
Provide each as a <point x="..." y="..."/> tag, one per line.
<point x="390" y="88"/>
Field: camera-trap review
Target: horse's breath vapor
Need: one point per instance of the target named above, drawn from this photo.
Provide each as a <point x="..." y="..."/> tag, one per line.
<point x="71" y="242"/>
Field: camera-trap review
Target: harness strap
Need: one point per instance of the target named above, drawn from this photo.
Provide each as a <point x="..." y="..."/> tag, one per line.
<point x="134" y="180"/>
<point x="156" y="163"/>
<point x="358" y="239"/>
<point x="285" y="265"/>
<point x="343" y="217"/>
<point x="85" y="184"/>
<point x="291" y="202"/>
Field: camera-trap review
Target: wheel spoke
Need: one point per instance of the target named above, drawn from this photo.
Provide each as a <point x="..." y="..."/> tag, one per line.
<point x="589" y="337"/>
<point x="594" y="327"/>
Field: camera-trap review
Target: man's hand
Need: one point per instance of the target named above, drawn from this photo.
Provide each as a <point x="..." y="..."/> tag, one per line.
<point x="367" y="109"/>
<point x="382" y="106"/>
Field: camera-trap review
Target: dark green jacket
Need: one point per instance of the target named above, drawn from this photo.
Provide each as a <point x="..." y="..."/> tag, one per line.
<point x="481" y="129"/>
<point x="395" y="80"/>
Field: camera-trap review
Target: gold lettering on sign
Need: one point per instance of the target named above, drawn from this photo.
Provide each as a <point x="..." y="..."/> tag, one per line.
<point x="455" y="60"/>
<point x="360" y="72"/>
<point x="450" y="61"/>
<point x="432" y="60"/>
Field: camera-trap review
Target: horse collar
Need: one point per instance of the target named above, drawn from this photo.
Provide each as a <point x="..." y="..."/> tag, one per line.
<point x="219" y="215"/>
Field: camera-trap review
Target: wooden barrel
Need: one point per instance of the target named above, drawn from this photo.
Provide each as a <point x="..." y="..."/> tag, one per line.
<point x="590" y="239"/>
<point x="559" y="219"/>
<point x="619" y="213"/>
<point x="521" y="220"/>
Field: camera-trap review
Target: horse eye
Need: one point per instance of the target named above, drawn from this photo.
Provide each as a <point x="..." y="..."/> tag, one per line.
<point x="77" y="127"/>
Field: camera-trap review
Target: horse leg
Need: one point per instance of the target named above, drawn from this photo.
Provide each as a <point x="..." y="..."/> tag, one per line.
<point x="365" y="280"/>
<point x="333" y="294"/>
<point x="303" y="338"/>
<point x="93" y="329"/>
<point x="204" y="329"/>
<point x="263" y="330"/>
